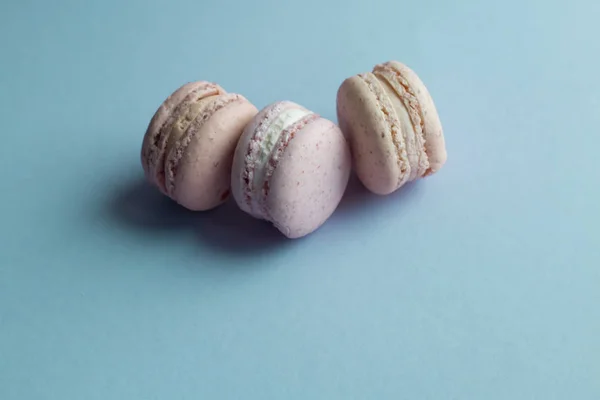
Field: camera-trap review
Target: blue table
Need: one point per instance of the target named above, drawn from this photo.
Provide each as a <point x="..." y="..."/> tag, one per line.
<point x="481" y="282"/>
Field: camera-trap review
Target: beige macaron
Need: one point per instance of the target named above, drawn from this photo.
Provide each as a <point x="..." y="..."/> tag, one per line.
<point x="392" y="125"/>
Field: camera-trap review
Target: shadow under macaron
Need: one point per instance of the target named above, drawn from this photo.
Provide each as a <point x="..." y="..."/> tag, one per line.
<point x="229" y="229"/>
<point x="138" y="206"/>
<point x="358" y="199"/>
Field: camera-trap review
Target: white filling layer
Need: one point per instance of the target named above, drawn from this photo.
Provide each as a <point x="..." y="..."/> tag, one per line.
<point x="283" y="121"/>
<point x="408" y="131"/>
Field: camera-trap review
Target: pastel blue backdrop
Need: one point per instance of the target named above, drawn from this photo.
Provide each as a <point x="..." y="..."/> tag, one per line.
<point x="482" y="282"/>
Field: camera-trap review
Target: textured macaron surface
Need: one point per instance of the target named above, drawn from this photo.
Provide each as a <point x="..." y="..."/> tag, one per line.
<point x="200" y="173"/>
<point x="392" y="125"/>
<point x="291" y="167"/>
<point x="421" y="109"/>
<point x="309" y="179"/>
<point x="169" y="122"/>
<point x="264" y="148"/>
<point x="189" y="143"/>
<point x="268" y="139"/>
<point x="191" y="124"/>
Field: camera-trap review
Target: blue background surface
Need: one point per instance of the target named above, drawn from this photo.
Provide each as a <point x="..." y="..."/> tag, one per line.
<point x="482" y="282"/>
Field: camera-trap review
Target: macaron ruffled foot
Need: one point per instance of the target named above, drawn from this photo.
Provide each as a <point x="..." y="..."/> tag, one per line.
<point x="392" y="125"/>
<point x="291" y="167"/>
<point x="188" y="147"/>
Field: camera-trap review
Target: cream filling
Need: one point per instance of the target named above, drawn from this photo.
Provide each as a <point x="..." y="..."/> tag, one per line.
<point x="185" y="120"/>
<point x="284" y="120"/>
<point x="197" y="116"/>
<point x="407" y="129"/>
<point x="177" y="124"/>
<point x="396" y="131"/>
<point x="412" y="107"/>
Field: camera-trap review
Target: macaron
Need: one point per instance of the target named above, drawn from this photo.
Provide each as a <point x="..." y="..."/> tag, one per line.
<point x="392" y="125"/>
<point x="188" y="147"/>
<point x="291" y="168"/>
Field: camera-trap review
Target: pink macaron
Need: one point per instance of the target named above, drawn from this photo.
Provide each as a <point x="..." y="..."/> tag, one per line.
<point x="188" y="147"/>
<point x="291" y="167"/>
<point x="392" y="125"/>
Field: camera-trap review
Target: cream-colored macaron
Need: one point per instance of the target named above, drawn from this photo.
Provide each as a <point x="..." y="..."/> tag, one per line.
<point x="188" y="147"/>
<point x="392" y="125"/>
